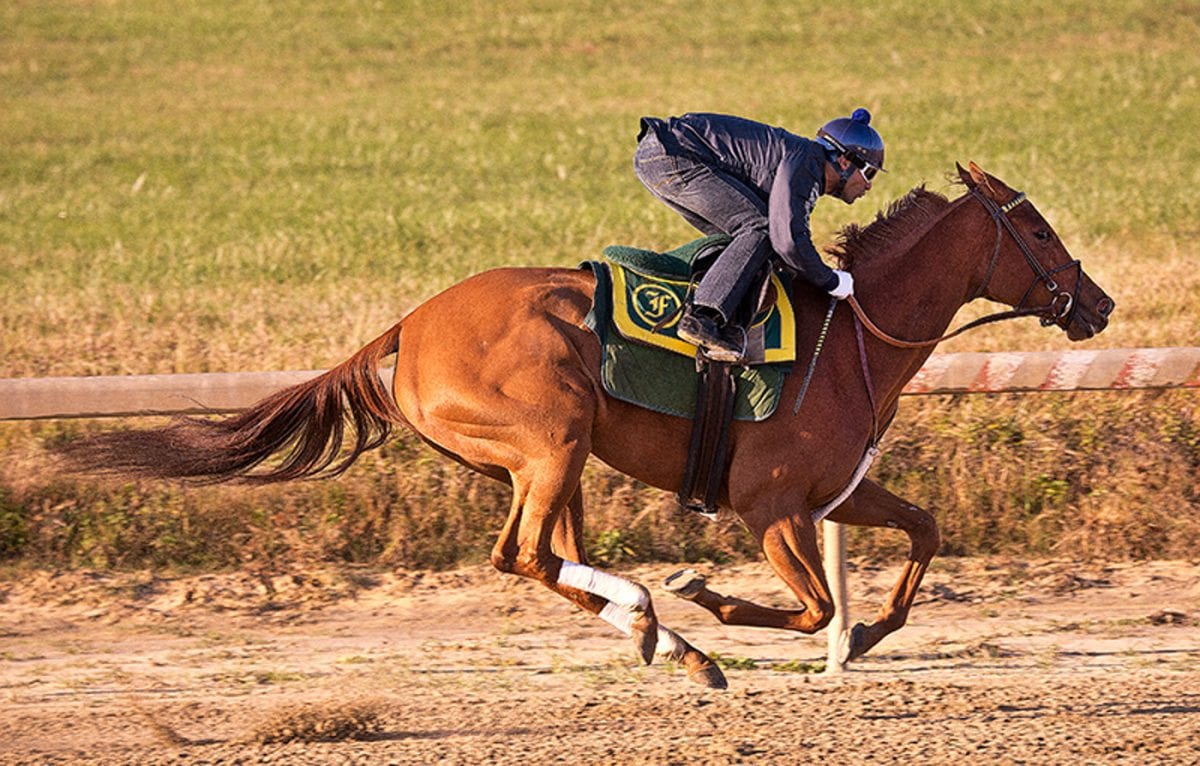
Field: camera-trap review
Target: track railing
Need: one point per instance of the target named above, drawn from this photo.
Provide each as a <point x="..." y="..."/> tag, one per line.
<point x="964" y="373"/>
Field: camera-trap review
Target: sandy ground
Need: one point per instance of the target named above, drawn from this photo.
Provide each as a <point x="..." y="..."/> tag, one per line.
<point x="1002" y="662"/>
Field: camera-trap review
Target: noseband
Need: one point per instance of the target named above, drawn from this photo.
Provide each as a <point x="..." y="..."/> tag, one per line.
<point x="1060" y="308"/>
<point x="1062" y="305"/>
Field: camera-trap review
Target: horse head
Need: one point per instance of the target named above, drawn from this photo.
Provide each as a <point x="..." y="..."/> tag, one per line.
<point x="1030" y="267"/>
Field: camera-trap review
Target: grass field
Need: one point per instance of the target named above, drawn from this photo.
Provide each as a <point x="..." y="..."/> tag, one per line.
<point x="239" y="186"/>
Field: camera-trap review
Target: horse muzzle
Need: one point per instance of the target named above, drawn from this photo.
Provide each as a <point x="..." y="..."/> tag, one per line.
<point x="1087" y="318"/>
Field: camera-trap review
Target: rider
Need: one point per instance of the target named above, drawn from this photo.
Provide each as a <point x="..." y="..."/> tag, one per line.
<point x="758" y="184"/>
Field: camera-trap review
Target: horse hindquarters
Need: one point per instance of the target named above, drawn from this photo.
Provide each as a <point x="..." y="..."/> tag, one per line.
<point x="493" y="372"/>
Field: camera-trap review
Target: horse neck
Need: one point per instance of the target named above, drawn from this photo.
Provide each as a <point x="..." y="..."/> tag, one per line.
<point x="914" y="290"/>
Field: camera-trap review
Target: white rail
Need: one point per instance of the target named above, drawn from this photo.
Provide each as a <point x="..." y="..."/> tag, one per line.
<point x="965" y="373"/>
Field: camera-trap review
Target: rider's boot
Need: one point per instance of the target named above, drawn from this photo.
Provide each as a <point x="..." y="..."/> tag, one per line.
<point x="704" y="327"/>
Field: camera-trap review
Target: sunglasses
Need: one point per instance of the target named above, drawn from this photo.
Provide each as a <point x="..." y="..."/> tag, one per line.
<point x="868" y="170"/>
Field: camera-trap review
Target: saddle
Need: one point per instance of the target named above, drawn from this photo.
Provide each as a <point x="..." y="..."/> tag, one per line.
<point x="643" y="303"/>
<point x="649" y="291"/>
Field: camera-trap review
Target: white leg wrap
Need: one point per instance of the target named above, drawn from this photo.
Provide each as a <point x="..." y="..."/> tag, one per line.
<point x="617" y="590"/>
<point x="620" y="618"/>
<point x="670" y="645"/>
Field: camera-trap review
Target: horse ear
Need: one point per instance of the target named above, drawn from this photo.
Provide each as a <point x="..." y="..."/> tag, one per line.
<point x="979" y="179"/>
<point x="964" y="176"/>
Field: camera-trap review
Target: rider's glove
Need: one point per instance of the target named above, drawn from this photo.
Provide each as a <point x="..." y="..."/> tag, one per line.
<point x="845" y="285"/>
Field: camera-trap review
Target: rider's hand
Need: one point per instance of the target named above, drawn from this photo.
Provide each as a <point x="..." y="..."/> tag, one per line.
<point x="845" y="285"/>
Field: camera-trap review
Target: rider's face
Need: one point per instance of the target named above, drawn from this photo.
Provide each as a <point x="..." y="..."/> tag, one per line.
<point x="856" y="185"/>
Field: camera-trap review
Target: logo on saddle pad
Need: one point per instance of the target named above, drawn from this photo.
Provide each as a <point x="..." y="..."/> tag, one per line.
<point x="654" y="303"/>
<point x="646" y="308"/>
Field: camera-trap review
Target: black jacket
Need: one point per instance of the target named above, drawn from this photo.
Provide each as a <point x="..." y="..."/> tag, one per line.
<point x="787" y="171"/>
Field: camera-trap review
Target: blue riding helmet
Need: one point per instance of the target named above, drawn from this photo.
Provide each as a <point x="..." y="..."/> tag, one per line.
<point x="854" y="137"/>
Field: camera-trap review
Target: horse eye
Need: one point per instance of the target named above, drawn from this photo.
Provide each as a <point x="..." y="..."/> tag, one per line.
<point x="1042" y="235"/>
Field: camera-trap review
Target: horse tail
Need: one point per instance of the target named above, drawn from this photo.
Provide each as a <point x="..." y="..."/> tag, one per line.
<point x="305" y="425"/>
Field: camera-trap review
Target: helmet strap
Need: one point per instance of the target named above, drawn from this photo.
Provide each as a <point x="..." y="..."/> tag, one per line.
<point x="843" y="176"/>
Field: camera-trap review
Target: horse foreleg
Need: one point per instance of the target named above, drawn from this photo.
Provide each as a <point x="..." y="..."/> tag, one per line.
<point x="873" y="506"/>
<point x="789" y="543"/>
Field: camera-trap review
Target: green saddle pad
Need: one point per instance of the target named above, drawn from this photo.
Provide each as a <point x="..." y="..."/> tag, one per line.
<point x="673" y="264"/>
<point x="658" y="379"/>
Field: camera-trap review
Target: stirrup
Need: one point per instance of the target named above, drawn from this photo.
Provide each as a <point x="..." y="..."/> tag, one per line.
<point x="711" y="338"/>
<point x="726" y="352"/>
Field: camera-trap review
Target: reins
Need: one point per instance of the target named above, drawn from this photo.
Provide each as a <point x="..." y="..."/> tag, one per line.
<point x="894" y="341"/>
<point x="1049" y="314"/>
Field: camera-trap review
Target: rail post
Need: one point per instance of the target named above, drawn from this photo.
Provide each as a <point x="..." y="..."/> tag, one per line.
<point x="835" y="573"/>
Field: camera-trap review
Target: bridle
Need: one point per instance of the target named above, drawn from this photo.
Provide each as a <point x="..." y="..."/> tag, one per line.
<point x="1061" y="307"/>
<point x="1050" y="313"/>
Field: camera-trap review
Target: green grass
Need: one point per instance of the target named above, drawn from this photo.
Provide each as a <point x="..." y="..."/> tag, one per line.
<point x="734" y="663"/>
<point x="157" y="162"/>
<point x="204" y="186"/>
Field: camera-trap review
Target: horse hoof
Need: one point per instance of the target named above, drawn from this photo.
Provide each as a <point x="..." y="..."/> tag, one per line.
<point x="686" y="584"/>
<point x="709" y="675"/>
<point x="853" y="644"/>
<point x="645" y="636"/>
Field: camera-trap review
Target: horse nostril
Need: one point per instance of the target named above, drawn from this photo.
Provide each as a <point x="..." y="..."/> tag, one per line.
<point x="1105" y="306"/>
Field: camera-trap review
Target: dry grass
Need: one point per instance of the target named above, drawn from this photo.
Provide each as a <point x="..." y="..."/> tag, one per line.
<point x="222" y="192"/>
<point x="1090" y="475"/>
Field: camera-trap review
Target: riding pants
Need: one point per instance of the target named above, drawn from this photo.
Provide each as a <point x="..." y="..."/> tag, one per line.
<point x="714" y="202"/>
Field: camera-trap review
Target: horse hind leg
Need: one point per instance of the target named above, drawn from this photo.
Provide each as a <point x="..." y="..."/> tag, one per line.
<point x="567" y="543"/>
<point x="541" y="492"/>
<point x="873" y="506"/>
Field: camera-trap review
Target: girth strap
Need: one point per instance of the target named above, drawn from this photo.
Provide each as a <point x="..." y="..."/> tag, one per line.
<point x="705" y="469"/>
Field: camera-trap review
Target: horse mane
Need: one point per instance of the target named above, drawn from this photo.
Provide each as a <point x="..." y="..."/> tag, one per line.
<point x="857" y="244"/>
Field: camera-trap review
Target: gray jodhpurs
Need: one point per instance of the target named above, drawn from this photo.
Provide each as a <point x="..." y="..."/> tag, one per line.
<point x="714" y="202"/>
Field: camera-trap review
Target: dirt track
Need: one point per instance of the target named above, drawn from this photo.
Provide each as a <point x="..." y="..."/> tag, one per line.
<point x="1002" y="662"/>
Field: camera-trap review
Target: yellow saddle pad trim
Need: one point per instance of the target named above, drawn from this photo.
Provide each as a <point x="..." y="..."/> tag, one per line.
<point x="641" y="301"/>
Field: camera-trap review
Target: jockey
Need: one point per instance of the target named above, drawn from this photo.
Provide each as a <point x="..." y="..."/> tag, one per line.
<point x="758" y="184"/>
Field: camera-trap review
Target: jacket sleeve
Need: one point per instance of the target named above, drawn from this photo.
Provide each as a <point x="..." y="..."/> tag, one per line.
<point x="794" y="193"/>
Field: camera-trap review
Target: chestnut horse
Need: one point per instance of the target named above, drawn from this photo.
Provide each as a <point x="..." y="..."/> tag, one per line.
<point x="500" y="373"/>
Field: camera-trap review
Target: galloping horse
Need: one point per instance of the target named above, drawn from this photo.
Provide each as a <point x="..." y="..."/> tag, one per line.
<point x="500" y="373"/>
